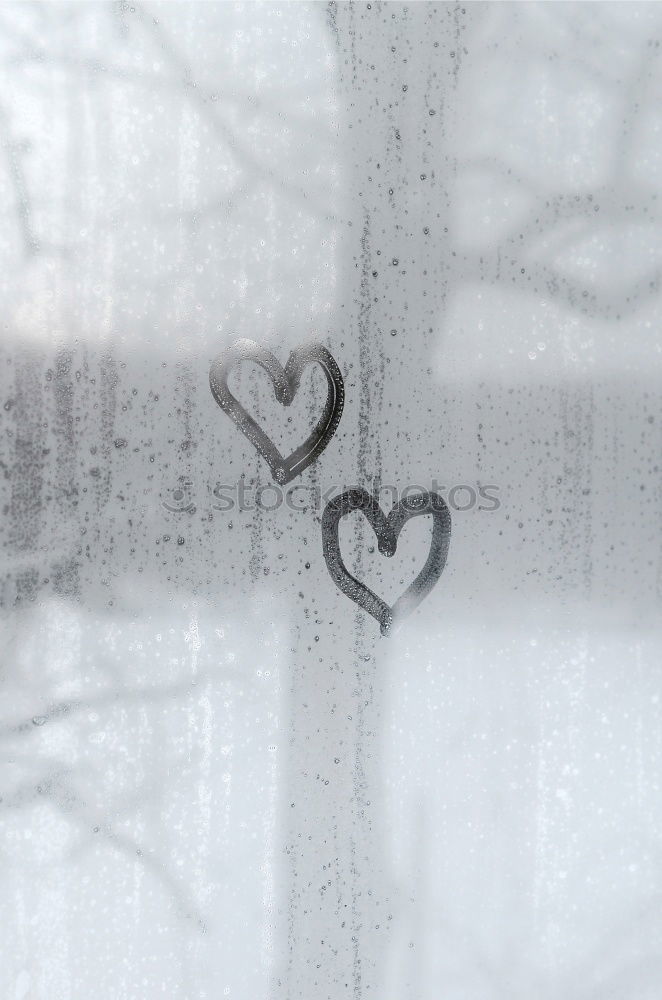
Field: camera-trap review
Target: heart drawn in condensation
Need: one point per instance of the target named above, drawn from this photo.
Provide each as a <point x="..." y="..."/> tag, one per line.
<point x="387" y="530"/>
<point x="286" y="384"/>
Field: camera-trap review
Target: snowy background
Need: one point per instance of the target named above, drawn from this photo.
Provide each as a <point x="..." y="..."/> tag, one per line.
<point x="217" y="779"/>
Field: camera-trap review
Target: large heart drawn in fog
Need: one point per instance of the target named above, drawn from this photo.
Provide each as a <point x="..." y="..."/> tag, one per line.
<point x="387" y="530"/>
<point x="286" y="384"/>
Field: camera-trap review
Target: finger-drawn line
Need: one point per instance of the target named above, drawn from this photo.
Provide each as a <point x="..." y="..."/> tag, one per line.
<point x="387" y="530"/>
<point x="286" y="384"/>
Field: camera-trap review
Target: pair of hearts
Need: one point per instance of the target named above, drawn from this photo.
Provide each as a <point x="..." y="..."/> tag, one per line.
<point x="286" y="383"/>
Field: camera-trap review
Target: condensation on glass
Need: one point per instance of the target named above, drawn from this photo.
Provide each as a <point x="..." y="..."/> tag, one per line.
<point x="224" y="774"/>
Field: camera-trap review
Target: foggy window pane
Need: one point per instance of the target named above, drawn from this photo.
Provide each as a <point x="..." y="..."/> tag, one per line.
<point x="330" y="565"/>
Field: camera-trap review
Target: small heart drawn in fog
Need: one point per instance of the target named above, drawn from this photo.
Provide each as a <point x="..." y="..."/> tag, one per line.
<point x="387" y="530"/>
<point x="286" y="383"/>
